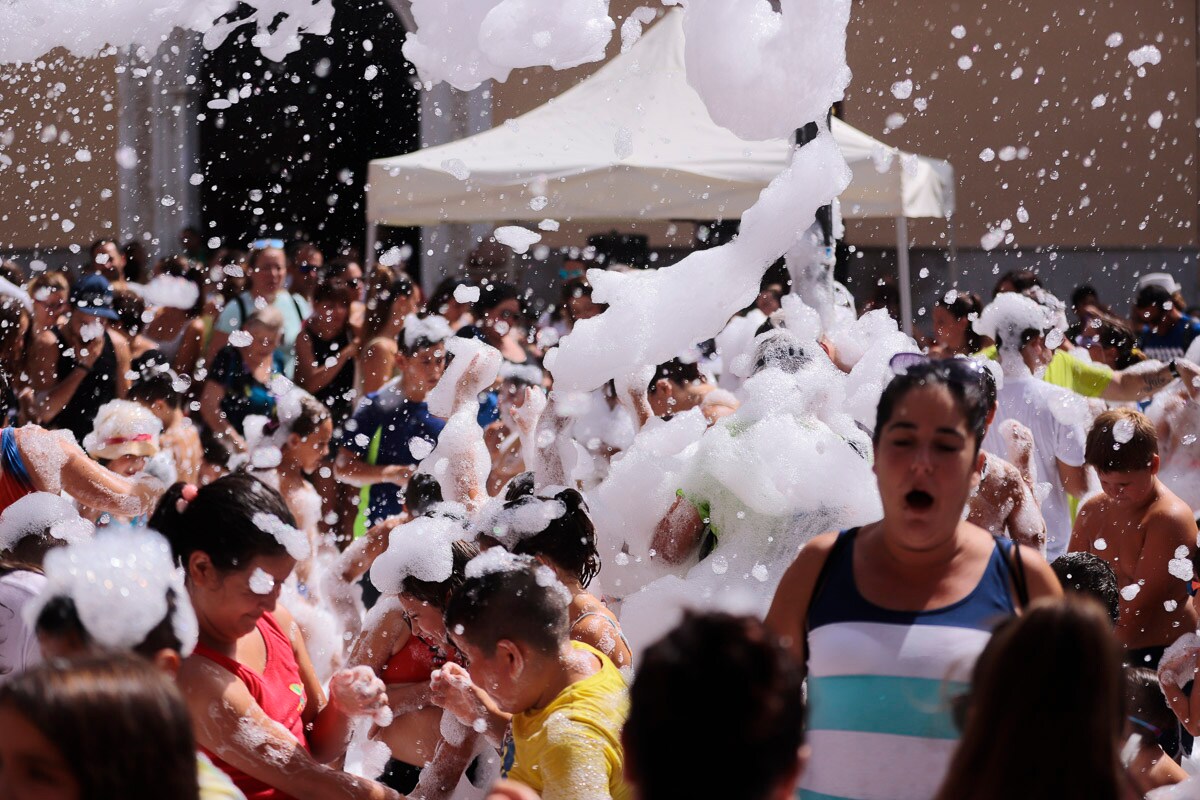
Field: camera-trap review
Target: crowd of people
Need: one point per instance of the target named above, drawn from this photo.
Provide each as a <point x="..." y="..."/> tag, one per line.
<point x="276" y="527"/>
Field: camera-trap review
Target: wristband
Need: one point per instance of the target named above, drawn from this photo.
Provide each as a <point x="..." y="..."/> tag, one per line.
<point x="1173" y="368"/>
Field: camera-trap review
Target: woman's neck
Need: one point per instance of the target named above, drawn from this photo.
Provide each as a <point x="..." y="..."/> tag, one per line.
<point x="947" y="545"/>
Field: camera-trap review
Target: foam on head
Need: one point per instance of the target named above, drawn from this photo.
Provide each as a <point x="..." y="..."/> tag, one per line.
<point x="119" y="584"/>
<point x="420" y="549"/>
<point x="41" y="513"/>
<point x="1008" y="316"/>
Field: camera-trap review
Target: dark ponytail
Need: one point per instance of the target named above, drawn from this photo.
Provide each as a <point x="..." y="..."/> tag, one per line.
<point x="569" y="541"/>
<point x="219" y="521"/>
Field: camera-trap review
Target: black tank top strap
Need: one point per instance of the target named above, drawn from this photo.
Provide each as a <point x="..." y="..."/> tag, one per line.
<point x="1010" y="551"/>
<point x="843" y="547"/>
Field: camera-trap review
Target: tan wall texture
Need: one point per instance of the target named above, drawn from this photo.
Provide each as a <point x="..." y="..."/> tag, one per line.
<point x="57" y="186"/>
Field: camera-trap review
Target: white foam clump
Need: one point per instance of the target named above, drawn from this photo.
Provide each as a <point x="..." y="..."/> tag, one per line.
<point x="32" y="28"/>
<point x="433" y="328"/>
<point x="419" y="549"/>
<point x="517" y="238"/>
<point x="169" y="291"/>
<point x="441" y="397"/>
<point x="631" y="28"/>
<point x="1155" y="120"/>
<point x="1146" y="54"/>
<point x="762" y="74"/>
<point x="40" y="513"/>
<point x="1123" y="430"/>
<point x="1181" y="565"/>
<point x="466" y="294"/>
<point x="419" y="447"/>
<point x="493" y="560"/>
<point x="902" y="90"/>
<point x="241" y="338"/>
<point x="524" y="519"/>
<point x="292" y="539"/>
<point x="1128" y="593"/>
<point x="471" y="41"/>
<point x="1010" y="314"/>
<point x="121" y="419"/>
<point x="119" y="584"/>
<point x="653" y="315"/>
<point x="261" y="582"/>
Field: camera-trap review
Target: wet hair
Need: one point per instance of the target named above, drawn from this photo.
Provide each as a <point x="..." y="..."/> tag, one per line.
<point x="520" y="486"/>
<point x="59" y="619"/>
<point x="1115" y="334"/>
<point x="11" y="271"/>
<point x="154" y="385"/>
<point x="968" y="392"/>
<point x="1154" y="296"/>
<point x="338" y="295"/>
<point x="423" y="492"/>
<point x="965" y="306"/>
<point x="312" y="413"/>
<point x="129" y="307"/>
<point x="443" y="293"/>
<point x="437" y="593"/>
<point x="53" y="281"/>
<point x="494" y="293"/>
<point x="1051" y="678"/>
<point x="758" y="714"/>
<point x="220" y="521"/>
<point x="1082" y="293"/>
<point x="1145" y="702"/>
<point x="118" y="721"/>
<point x="678" y="372"/>
<point x="568" y="541"/>
<point x="213" y="449"/>
<point x="267" y="316"/>
<point x="1022" y="280"/>
<point x="384" y="287"/>
<point x="1109" y="453"/>
<point x="510" y="604"/>
<point x="1089" y="575"/>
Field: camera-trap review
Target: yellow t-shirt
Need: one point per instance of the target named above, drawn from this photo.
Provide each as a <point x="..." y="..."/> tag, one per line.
<point x="571" y="749"/>
<point x="1069" y="372"/>
<point x="214" y="784"/>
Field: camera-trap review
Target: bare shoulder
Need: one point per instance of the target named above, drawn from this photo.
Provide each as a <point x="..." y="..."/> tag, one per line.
<point x="808" y="563"/>
<point x="202" y="677"/>
<point x="1170" y="512"/>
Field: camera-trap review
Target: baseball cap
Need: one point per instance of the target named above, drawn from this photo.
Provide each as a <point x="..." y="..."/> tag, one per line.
<point x="93" y="295"/>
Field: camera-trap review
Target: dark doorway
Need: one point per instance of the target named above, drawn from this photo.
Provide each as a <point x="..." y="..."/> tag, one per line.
<point x="290" y="159"/>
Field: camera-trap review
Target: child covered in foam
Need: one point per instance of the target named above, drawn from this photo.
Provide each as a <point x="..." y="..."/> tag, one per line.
<point x="124" y="438"/>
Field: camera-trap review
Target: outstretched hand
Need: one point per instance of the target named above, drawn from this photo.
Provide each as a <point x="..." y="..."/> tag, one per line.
<point x="453" y="690"/>
<point x="357" y="692"/>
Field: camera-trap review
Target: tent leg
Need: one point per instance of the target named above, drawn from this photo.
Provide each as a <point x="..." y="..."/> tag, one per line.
<point x="372" y="243"/>
<point x="904" y="279"/>
<point x="952" y="250"/>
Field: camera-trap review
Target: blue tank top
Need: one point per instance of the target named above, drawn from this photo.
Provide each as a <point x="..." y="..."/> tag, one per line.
<point x="881" y="682"/>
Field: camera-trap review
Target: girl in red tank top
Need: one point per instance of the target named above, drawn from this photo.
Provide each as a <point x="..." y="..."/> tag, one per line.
<point x="279" y="691"/>
<point x="236" y="540"/>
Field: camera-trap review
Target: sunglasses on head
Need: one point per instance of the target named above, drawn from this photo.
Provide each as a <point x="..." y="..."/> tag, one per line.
<point x="961" y="369"/>
<point x="267" y="244"/>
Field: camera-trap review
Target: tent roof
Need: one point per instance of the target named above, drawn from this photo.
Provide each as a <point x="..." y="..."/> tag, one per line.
<point x="633" y="141"/>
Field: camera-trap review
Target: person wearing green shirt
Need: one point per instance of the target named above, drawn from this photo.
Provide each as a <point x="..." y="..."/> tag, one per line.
<point x="1096" y="380"/>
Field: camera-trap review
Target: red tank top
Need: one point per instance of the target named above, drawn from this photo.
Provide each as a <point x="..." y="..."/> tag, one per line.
<point x="413" y="663"/>
<point x="14" y="478"/>
<point x="279" y="692"/>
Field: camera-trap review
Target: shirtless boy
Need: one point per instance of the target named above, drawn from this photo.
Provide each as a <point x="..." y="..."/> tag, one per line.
<point x="1145" y="533"/>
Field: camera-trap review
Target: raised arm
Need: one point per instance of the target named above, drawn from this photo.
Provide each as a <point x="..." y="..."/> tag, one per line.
<point x="1142" y="380"/>
<point x="232" y="726"/>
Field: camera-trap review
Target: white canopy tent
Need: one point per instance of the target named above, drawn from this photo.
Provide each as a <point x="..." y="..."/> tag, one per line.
<point x="634" y="141"/>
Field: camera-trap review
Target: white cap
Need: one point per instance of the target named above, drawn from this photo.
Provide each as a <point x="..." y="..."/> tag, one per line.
<point x="1164" y="279"/>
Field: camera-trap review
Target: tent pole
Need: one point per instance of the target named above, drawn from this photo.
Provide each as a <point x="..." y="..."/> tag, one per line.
<point x="905" y="276"/>
<point x="372" y="242"/>
<point x="952" y="251"/>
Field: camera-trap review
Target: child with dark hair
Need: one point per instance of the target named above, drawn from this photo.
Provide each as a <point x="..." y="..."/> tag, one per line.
<point x="758" y="714"/>
<point x="1144" y="532"/>
<point x="1088" y="574"/>
<point x="250" y="677"/>
<point x="567" y="700"/>
<point x="567" y="544"/>
<point x="159" y="392"/>
<point x="403" y="642"/>
<point x="1149" y="760"/>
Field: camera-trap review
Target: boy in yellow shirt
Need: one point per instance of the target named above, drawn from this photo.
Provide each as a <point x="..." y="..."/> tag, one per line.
<point x="567" y="700"/>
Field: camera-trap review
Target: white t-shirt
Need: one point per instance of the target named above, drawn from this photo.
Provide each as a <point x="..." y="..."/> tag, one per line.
<point x="18" y="644"/>
<point x="1046" y="411"/>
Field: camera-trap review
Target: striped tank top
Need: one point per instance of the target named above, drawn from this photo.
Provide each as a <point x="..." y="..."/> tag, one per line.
<point x="881" y="682"/>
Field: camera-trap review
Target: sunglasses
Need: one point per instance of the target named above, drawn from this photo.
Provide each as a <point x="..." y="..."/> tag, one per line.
<point x="267" y="244"/>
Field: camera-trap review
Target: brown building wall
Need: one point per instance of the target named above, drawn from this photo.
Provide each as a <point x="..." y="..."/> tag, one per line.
<point x="44" y="178"/>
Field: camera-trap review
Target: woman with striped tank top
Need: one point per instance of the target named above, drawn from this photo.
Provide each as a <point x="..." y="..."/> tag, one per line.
<point x="889" y="618"/>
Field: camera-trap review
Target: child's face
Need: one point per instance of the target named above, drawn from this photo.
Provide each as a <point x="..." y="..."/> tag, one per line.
<point x="498" y="674"/>
<point x="128" y="466"/>
<point x="425" y="620"/>
<point x="1127" y="488"/>
<point x="421" y="371"/>
<point x="310" y="450"/>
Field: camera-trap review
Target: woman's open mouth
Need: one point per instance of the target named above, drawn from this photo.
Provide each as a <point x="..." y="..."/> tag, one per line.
<point x="918" y="500"/>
